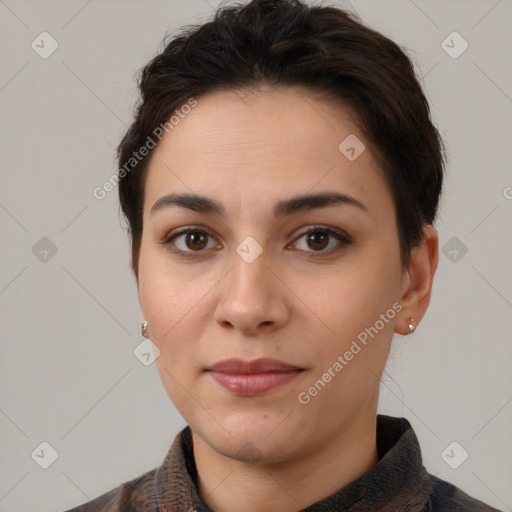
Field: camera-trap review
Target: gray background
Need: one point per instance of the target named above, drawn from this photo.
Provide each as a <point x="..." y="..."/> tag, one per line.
<point x="70" y="320"/>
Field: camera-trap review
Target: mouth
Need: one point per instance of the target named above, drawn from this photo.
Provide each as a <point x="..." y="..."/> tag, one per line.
<point x="252" y="378"/>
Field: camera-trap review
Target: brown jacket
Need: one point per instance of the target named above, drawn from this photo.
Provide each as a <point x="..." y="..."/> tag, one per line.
<point x="398" y="482"/>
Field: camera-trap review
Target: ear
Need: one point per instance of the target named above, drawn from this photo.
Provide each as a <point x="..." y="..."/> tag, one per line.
<point x="417" y="281"/>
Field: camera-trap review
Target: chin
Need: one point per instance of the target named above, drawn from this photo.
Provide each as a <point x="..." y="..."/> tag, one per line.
<point x="249" y="437"/>
<point x="254" y="451"/>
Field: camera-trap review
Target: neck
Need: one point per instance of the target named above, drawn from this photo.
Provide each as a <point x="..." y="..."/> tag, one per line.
<point x="227" y="484"/>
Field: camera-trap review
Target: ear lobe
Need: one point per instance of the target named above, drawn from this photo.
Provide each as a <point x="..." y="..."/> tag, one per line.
<point x="417" y="287"/>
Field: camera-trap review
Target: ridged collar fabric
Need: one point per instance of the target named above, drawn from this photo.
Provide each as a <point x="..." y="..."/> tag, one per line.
<point x="398" y="482"/>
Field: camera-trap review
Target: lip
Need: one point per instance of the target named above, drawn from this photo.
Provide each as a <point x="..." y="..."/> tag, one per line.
<point x="262" y="365"/>
<point x="252" y="378"/>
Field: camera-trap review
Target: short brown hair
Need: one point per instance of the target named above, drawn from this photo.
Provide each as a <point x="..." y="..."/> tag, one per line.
<point x="287" y="42"/>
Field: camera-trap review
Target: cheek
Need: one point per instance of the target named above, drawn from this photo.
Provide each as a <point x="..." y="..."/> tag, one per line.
<point x="357" y="304"/>
<point x="356" y="297"/>
<point x="174" y="305"/>
<point x="169" y="303"/>
<point x="162" y="297"/>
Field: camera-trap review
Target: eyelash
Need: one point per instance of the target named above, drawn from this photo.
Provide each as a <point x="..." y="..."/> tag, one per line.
<point x="339" y="235"/>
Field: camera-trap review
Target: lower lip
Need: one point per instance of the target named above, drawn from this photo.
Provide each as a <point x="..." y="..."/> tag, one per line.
<point x="254" y="383"/>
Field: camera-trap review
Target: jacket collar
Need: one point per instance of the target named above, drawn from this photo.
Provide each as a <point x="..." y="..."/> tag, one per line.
<point x="398" y="482"/>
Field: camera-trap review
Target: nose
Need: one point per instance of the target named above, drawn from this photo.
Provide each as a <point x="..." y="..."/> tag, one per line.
<point x="253" y="298"/>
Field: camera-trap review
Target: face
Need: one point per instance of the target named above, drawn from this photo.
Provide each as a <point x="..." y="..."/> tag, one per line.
<point x="248" y="274"/>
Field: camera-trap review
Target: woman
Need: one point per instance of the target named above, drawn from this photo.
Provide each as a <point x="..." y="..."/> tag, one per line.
<point x="280" y="182"/>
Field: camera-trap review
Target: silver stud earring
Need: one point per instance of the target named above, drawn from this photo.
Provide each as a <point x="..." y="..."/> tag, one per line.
<point x="412" y="327"/>
<point x="144" y="329"/>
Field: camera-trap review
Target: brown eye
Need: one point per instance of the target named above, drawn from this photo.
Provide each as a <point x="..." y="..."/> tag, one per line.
<point x="190" y="242"/>
<point x="317" y="240"/>
<point x="196" y="240"/>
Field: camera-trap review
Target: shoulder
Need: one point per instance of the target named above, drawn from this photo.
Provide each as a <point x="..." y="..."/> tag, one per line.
<point x="133" y="495"/>
<point x="444" y="496"/>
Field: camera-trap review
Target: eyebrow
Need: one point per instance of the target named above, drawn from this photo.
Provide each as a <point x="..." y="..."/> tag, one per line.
<point x="283" y="208"/>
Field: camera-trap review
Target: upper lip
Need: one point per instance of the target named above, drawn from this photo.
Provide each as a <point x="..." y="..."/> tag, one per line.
<point x="262" y="365"/>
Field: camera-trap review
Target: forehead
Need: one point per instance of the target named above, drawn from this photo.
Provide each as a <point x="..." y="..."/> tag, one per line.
<point x="258" y="146"/>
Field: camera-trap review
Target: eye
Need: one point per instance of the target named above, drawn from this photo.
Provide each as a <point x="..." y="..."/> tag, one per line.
<point x="188" y="241"/>
<point x="319" y="237"/>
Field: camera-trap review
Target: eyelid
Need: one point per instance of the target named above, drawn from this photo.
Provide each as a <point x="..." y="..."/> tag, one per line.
<point x="328" y="229"/>
<point x="185" y="229"/>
